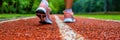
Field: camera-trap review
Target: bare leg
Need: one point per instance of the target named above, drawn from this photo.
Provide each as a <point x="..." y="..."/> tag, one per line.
<point x="68" y="4"/>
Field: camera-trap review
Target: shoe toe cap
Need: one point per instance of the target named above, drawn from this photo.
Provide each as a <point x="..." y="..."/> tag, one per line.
<point x="68" y="20"/>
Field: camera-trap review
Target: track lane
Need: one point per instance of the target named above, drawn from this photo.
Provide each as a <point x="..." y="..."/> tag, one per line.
<point x="29" y="29"/>
<point x="92" y="29"/>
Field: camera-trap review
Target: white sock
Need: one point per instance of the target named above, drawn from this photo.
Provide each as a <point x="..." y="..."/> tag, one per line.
<point x="45" y="1"/>
<point x="68" y="10"/>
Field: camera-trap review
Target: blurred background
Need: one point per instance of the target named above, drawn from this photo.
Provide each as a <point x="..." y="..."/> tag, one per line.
<point x="104" y="9"/>
<point x="29" y="6"/>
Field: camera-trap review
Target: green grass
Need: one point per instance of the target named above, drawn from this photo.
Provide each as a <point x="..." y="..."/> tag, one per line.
<point x="101" y="16"/>
<point x="11" y="16"/>
<point x="94" y="15"/>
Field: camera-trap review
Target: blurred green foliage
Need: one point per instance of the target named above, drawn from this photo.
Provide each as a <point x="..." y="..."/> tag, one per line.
<point x="96" y="6"/>
<point x="57" y="6"/>
<point x="18" y="6"/>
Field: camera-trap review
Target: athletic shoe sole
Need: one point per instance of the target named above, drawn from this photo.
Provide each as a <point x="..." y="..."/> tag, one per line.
<point x="42" y="15"/>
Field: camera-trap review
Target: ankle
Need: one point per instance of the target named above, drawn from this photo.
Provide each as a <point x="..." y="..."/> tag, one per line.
<point x="45" y="1"/>
<point x="68" y="10"/>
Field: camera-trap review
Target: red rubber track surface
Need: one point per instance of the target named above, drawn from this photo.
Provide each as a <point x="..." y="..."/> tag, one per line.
<point x="29" y="29"/>
<point x="92" y="29"/>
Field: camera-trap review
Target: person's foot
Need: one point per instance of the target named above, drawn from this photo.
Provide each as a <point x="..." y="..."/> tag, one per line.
<point x="68" y="17"/>
<point x="43" y="13"/>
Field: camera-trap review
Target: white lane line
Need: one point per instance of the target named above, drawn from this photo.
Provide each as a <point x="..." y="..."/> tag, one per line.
<point x="67" y="32"/>
<point x="17" y="19"/>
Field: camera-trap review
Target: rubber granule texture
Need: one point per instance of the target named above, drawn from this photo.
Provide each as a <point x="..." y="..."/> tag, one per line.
<point x="92" y="29"/>
<point x="29" y="29"/>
